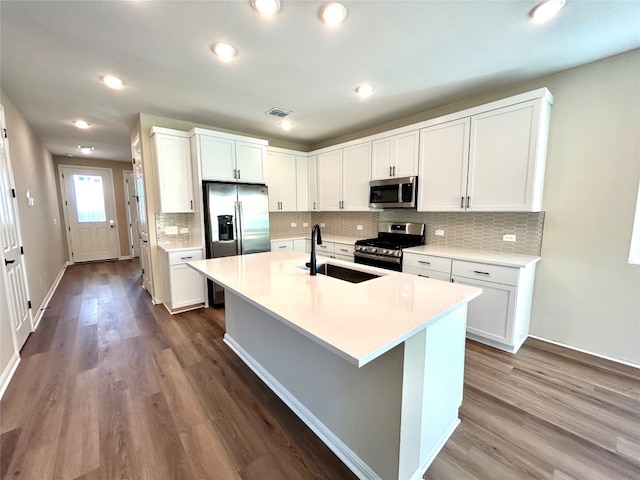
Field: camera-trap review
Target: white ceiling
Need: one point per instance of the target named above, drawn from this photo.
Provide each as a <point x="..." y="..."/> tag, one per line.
<point x="418" y="54"/>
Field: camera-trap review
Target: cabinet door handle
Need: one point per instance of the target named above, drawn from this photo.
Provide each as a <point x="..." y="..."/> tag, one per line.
<point x="186" y="258"/>
<point x="238" y="174"/>
<point x="234" y="173"/>
<point x="423" y="262"/>
<point x="394" y="171"/>
<point x="390" y="174"/>
<point x="462" y="202"/>
<point x="191" y="204"/>
<point x="7" y="262"/>
<point x="478" y="272"/>
<point x="468" y="201"/>
<point x="314" y="205"/>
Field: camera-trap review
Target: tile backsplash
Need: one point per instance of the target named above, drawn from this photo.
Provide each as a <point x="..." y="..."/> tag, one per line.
<point x="474" y="230"/>
<point x="179" y="220"/>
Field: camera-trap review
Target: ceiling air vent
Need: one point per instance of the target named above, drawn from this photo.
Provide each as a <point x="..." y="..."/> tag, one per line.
<point x="278" y="112"/>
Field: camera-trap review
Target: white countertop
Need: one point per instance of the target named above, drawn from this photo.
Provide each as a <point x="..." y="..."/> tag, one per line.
<point x="178" y="247"/>
<point x="493" y="258"/>
<point x="359" y="322"/>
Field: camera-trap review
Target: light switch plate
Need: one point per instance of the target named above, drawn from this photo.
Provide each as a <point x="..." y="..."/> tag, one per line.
<point x="171" y="230"/>
<point x="293" y="225"/>
<point x="439" y="233"/>
<point x="508" y="238"/>
<point x="321" y="225"/>
<point x="360" y="227"/>
<point x="184" y="230"/>
<point x="305" y="224"/>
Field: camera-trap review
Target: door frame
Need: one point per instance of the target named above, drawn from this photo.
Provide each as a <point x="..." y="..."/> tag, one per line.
<point x="129" y="209"/>
<point x="65" y="206"/>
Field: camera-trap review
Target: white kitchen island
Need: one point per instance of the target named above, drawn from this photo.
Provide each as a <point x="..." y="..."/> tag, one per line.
<point x="375" y="369"/>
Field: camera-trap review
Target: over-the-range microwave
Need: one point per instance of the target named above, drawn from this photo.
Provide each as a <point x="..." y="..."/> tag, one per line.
<point x="398" y="192"/>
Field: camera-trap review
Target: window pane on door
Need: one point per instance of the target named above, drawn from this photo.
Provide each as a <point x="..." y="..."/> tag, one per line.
<point x="90" y="203"/>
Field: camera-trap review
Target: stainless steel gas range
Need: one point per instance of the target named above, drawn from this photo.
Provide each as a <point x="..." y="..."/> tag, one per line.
<point x="385" y="250"/>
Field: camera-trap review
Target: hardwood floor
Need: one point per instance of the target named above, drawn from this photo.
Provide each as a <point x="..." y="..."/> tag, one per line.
<point x="113" y="387"/>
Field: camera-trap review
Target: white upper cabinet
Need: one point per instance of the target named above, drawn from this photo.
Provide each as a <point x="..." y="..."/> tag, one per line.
<point x="395" y="156"/>
<point x="492" y="161"/>
<point x="343" y="178"/>
<point x="172" y="159"/>
<point x="229" y="158"/>
<point x="312" y="176"/>
<point x="302" y="183"/>
<point x="282" y="180"/>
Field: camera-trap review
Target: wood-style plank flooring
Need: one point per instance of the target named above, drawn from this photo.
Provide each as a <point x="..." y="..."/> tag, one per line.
<point x="113" y="387"/>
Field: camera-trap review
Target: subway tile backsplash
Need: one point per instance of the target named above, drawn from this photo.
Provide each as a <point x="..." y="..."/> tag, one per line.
<point x="474" y="230"/>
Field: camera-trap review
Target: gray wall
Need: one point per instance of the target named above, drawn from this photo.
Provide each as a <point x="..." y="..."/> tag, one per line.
<point x="41" y="225"/>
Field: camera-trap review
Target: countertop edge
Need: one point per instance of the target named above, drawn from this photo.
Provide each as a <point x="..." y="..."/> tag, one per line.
<point x="492" y="258"/>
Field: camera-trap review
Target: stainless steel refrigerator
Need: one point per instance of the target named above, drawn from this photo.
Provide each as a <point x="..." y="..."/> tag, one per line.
<point x="236" y="223"/>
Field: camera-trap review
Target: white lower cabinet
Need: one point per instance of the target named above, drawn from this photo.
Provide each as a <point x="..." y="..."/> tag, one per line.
<point x="183" y="287"/>
<point x="340" y="251"/>
<point x="293" y="245"/>
<point x="500" y="316"/>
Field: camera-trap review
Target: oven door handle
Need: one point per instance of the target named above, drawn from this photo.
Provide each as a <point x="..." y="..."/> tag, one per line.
<point x="381" y="258"/>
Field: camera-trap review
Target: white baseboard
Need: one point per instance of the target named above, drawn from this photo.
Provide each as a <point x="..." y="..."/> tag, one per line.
<point x="427" y="463"/>
<point x="36" y="320"/>
<point x="342" y="451"/>
<point x="616" y="360"/>
<point x="125" y="257"/>
<point x="7" y="375"/>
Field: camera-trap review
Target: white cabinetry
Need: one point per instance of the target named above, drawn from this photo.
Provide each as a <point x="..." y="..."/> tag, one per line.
<point x="395" y="156"/>
<point x="492" y="160"/>
<point x="438" y="268"/>
<point x="500" y="316"/>
<point x="293" y="245"/>
<point x="229" y="158"/>
<point x="343" y="178"/>
<point x="312" y="172"/>
<point x="183" y="287"/>
<point x="172" y="160"/>
<point x="341" y="251"/>
<point x="282" y="181"/>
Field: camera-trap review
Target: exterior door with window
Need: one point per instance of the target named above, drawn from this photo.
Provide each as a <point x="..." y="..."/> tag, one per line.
<point x="92" y="231"/>
<point x="14" y="276"/>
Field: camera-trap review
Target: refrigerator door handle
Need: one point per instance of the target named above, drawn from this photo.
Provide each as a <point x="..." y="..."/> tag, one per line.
<point x="240" y="229"/>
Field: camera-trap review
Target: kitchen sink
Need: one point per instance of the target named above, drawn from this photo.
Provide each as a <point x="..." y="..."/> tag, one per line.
<point x="343" y="273"/>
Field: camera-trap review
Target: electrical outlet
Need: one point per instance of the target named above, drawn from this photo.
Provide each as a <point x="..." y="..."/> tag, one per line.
<point x="439" y="233"/>
<point x="184" y="230"/>
<point x="294" y="225"/>
<point x="321" y="225"/>
<point x="508" y="238"/>
<point x="170" y="230"/>
<point x="359" y="227"/>
<point x="305" y="224"/>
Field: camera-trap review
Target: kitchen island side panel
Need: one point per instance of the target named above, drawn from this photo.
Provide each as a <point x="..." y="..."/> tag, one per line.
<point x="360" y="406"/>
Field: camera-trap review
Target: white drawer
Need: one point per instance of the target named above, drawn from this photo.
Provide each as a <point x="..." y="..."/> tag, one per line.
<point x="326" y="247"/>
<point x="483" y="271"/>
<point x="439" y="264"/>
<point x="184" y="256"/>
<point x="423" y="272"/>
<point x="343" y="249"/>
<point x="281" y="245"/>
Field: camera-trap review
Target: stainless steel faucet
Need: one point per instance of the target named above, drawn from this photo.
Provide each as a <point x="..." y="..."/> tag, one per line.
<point x="315" y="236"/>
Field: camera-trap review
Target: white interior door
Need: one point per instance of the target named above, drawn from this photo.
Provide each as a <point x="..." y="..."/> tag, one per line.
<point x="92" y="232"/>
<point x="132" y="213"/>
<point x="13" y="265"/>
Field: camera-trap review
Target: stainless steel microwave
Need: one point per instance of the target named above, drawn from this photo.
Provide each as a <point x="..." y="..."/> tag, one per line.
<point x="398" y="192"/>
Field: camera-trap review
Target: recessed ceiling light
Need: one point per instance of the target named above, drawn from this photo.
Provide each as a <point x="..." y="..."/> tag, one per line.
<point x="266" y="7"/>
<point x="546" y="10"/>
<point x="86" y="149"/>
<point x="112" y="82"/>
<point x="364" y="90"/>
<point x="333" y="13"/>
<point x="286" y="124"/>
<point x="224" y="51"/>
<point x="81" y="124"/>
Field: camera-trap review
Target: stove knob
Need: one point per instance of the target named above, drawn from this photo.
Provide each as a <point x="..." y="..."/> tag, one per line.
<point x="388" y="252"/>
<point x="374" y="250"/>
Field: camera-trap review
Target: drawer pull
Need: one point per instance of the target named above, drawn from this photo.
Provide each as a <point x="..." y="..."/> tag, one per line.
<point x="185" y="258"/>
<point x="423" y="262"/>
<point x="425" y="276"/>
<point x="344" y="250"/>
<point x="282" y="246"/>
<point x="478" y="272"/>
